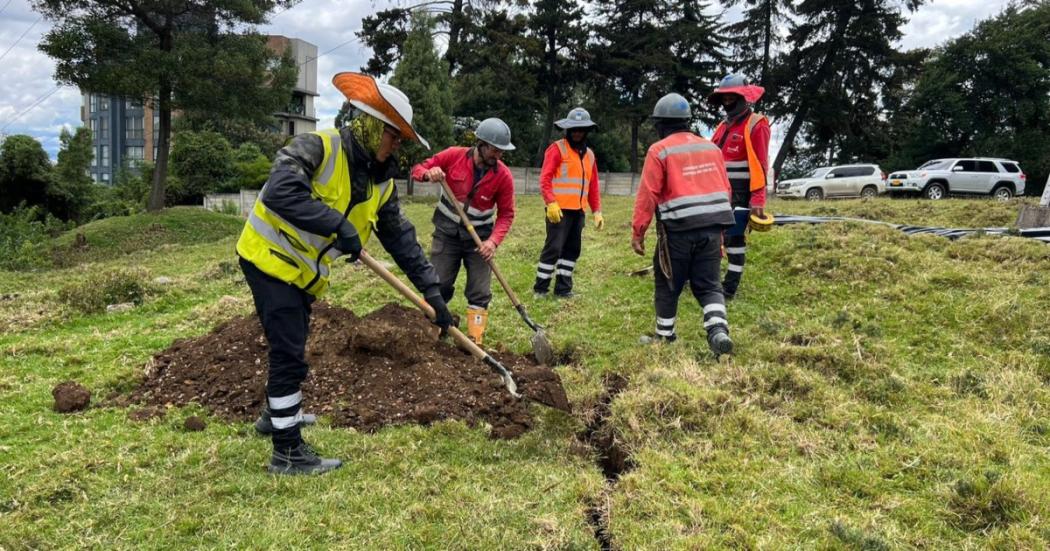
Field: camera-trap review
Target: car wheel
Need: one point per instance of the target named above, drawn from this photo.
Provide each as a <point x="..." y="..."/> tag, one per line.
<point x="869" y="191"/>
<point x="934" y="192"/>
<point x="814" y="194"/>
<point x="1002" y="193"/>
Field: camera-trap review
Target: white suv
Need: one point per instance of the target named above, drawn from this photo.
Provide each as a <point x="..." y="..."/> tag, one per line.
<point x="836" y="181"/>
<point x="1000" y="178"/>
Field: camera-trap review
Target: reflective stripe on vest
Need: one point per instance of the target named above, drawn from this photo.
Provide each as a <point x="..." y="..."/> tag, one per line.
<point x="294" y="255"/>
<point x="755" y="172"/>
<point x="694" y="205"/>
<point x="572" y="180"/>
<point x="477" y="217"/>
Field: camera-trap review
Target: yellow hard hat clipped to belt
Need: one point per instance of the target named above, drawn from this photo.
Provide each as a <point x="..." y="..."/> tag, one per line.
<point x="762" y="223"/>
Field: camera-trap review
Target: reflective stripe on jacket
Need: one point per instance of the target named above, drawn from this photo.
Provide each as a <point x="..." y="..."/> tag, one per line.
<point x="296" y="256"/>
<point x="568" y="178"/>
<point x="752" y="170"/>
<point x="684" y="184"/>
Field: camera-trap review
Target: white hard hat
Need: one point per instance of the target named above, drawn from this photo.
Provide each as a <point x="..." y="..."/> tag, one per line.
<point x="381" y="100"/>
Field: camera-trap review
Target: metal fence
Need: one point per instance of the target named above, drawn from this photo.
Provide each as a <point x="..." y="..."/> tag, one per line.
<point x="526" y="182"/>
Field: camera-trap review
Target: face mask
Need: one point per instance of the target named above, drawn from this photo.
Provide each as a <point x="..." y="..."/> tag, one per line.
<point x="368" y="131"/>
<point x="735" y="108"/>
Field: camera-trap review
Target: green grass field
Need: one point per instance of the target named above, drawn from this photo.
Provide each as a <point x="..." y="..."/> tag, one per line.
<point x="888" y="392"/>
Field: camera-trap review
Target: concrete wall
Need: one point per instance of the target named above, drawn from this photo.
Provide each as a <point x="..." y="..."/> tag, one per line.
<point x="526" y="182"/>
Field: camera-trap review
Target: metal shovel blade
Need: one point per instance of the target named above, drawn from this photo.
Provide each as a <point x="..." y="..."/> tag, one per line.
<point x="542" y="348"/>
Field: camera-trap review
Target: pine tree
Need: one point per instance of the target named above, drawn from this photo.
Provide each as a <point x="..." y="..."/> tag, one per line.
<point x="840" y="55"/>
<point x="644" y="49"/>
<point x="423" y="76"/>
<point x="754" y="40"/>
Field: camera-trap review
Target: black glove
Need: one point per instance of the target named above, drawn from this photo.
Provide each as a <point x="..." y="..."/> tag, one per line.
<point x="442" y="318"/>
<point x="347" y="241"/>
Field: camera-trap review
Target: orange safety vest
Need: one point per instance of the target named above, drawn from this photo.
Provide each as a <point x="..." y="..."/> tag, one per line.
<point x="758" y="174"/>
<point x="573" y="178"/>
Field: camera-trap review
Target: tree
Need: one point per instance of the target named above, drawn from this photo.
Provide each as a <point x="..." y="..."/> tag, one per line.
<point x="71" y="190"/>
<point x="203" y="162"/>
<point x="386" y="31"/>
<point x="558" y="40"/>
<point x="645" y="49"/>
<point x="184" y="54"/>
<point x="754" y="39"/>
<point x="250" y="168"/>
<point x="423" y="77"/>
<point x="840" y="55"/>
<point x="25" y="171"/>
<point x="495" y="82"/>
<point x="986" y="93"/>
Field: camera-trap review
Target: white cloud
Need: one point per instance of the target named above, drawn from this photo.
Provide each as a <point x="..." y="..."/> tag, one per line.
<point x="27" y="73"/>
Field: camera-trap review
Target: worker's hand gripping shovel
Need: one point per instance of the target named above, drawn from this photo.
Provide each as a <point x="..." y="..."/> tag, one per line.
<point x="459" y="337"/>
<point x="541" y="346"/>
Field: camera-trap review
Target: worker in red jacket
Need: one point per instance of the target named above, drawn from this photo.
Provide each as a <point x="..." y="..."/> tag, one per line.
<point x="684" y="184"/>
<point x="744" y="140"/>
<point x="483" y="185"/>
<point x="568" y="181"/>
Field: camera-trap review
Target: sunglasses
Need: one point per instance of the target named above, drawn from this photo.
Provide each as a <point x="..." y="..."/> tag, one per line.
<point x="393" y="133"/>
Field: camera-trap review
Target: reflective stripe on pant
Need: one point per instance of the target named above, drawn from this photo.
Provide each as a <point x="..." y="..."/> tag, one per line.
<point x="447" y="254"/>
<point x="695" y="258"/>
<point x="736" y="253"/>
<point x="284" y="311"/>
<point x="560" y="252"/>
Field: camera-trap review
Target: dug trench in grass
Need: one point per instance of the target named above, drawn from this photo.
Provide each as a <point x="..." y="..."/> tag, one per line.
<point x="611" y="456"/>
<point x="386" y="368"/>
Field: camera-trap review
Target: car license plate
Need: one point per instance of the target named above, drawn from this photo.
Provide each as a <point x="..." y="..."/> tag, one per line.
<point x="895" y="183"/>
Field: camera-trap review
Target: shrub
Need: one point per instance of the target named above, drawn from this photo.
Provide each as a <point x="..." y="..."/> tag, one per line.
<point x="97" y="291"/>
<point x="25" y="234"/>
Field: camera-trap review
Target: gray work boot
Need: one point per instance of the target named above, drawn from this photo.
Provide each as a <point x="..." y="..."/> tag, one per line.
<point x="264" y="426"/>
<point x="720" y="342"/>
<point x="300" y="460"/>
<point x="656" y="339"/>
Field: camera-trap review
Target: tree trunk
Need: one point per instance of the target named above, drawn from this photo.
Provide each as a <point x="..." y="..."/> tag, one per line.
<point x="635" y="123"/>
<point x="764" y="77"/>
<point x="455" y="30"/>
<point x="160" y="169"/>
<point x="545" y="133"/>
<point x="834" y="45"/>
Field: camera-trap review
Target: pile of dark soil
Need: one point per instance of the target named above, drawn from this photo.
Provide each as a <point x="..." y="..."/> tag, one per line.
<point x="386" y="368"/>
<point x="70" y="396"/>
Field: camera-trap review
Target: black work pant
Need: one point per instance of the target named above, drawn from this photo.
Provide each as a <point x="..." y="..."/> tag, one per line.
<point x="284" y="311"/>
<point x="695" y="257"/>
<point x="560" y="252"/>
<point x="447" y="254"/>
<point x="736" y="238"/>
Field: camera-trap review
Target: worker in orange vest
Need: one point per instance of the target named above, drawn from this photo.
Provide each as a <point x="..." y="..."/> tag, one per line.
<point x="744" y="139"/>
<point x="568" y="181"/>
<point x="684" y="184"/>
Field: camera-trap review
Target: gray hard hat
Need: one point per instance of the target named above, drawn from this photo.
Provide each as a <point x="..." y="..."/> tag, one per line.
<point x="577" y="118"/>
<point x="672" y="106"/>
<point x="495" y="133"/>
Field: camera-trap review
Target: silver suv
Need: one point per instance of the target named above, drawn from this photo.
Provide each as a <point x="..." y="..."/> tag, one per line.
<point x="1000" y="178"/>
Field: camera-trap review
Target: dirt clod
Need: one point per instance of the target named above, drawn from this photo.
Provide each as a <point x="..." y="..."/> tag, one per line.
<point x="194" y="424"/>
<point x="70" y="396"/>
<point x="386" y="368"/>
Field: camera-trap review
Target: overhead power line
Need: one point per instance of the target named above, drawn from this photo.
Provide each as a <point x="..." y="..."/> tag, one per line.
<point x="30" y="108"/>
<point x="20" y="37"/>
<point x="5" y="7"/>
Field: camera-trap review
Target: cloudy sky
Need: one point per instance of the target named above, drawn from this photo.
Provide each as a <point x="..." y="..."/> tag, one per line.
<point x="31" y="102"/>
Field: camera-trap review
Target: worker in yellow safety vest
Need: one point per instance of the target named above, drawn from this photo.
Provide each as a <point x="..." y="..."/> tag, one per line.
<point x="328" y="191"/>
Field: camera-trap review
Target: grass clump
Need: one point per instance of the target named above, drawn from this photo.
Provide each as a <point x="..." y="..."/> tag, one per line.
<point x="97" y="291"/>
<point x="986" y="502"/>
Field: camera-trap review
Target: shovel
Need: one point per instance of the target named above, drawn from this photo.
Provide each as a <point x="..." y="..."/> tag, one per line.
<point x="459" y="337"/>
<point x="541" y="346"/>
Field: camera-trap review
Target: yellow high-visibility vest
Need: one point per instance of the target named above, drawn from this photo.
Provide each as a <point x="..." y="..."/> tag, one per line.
<point x="297" y="256"/>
